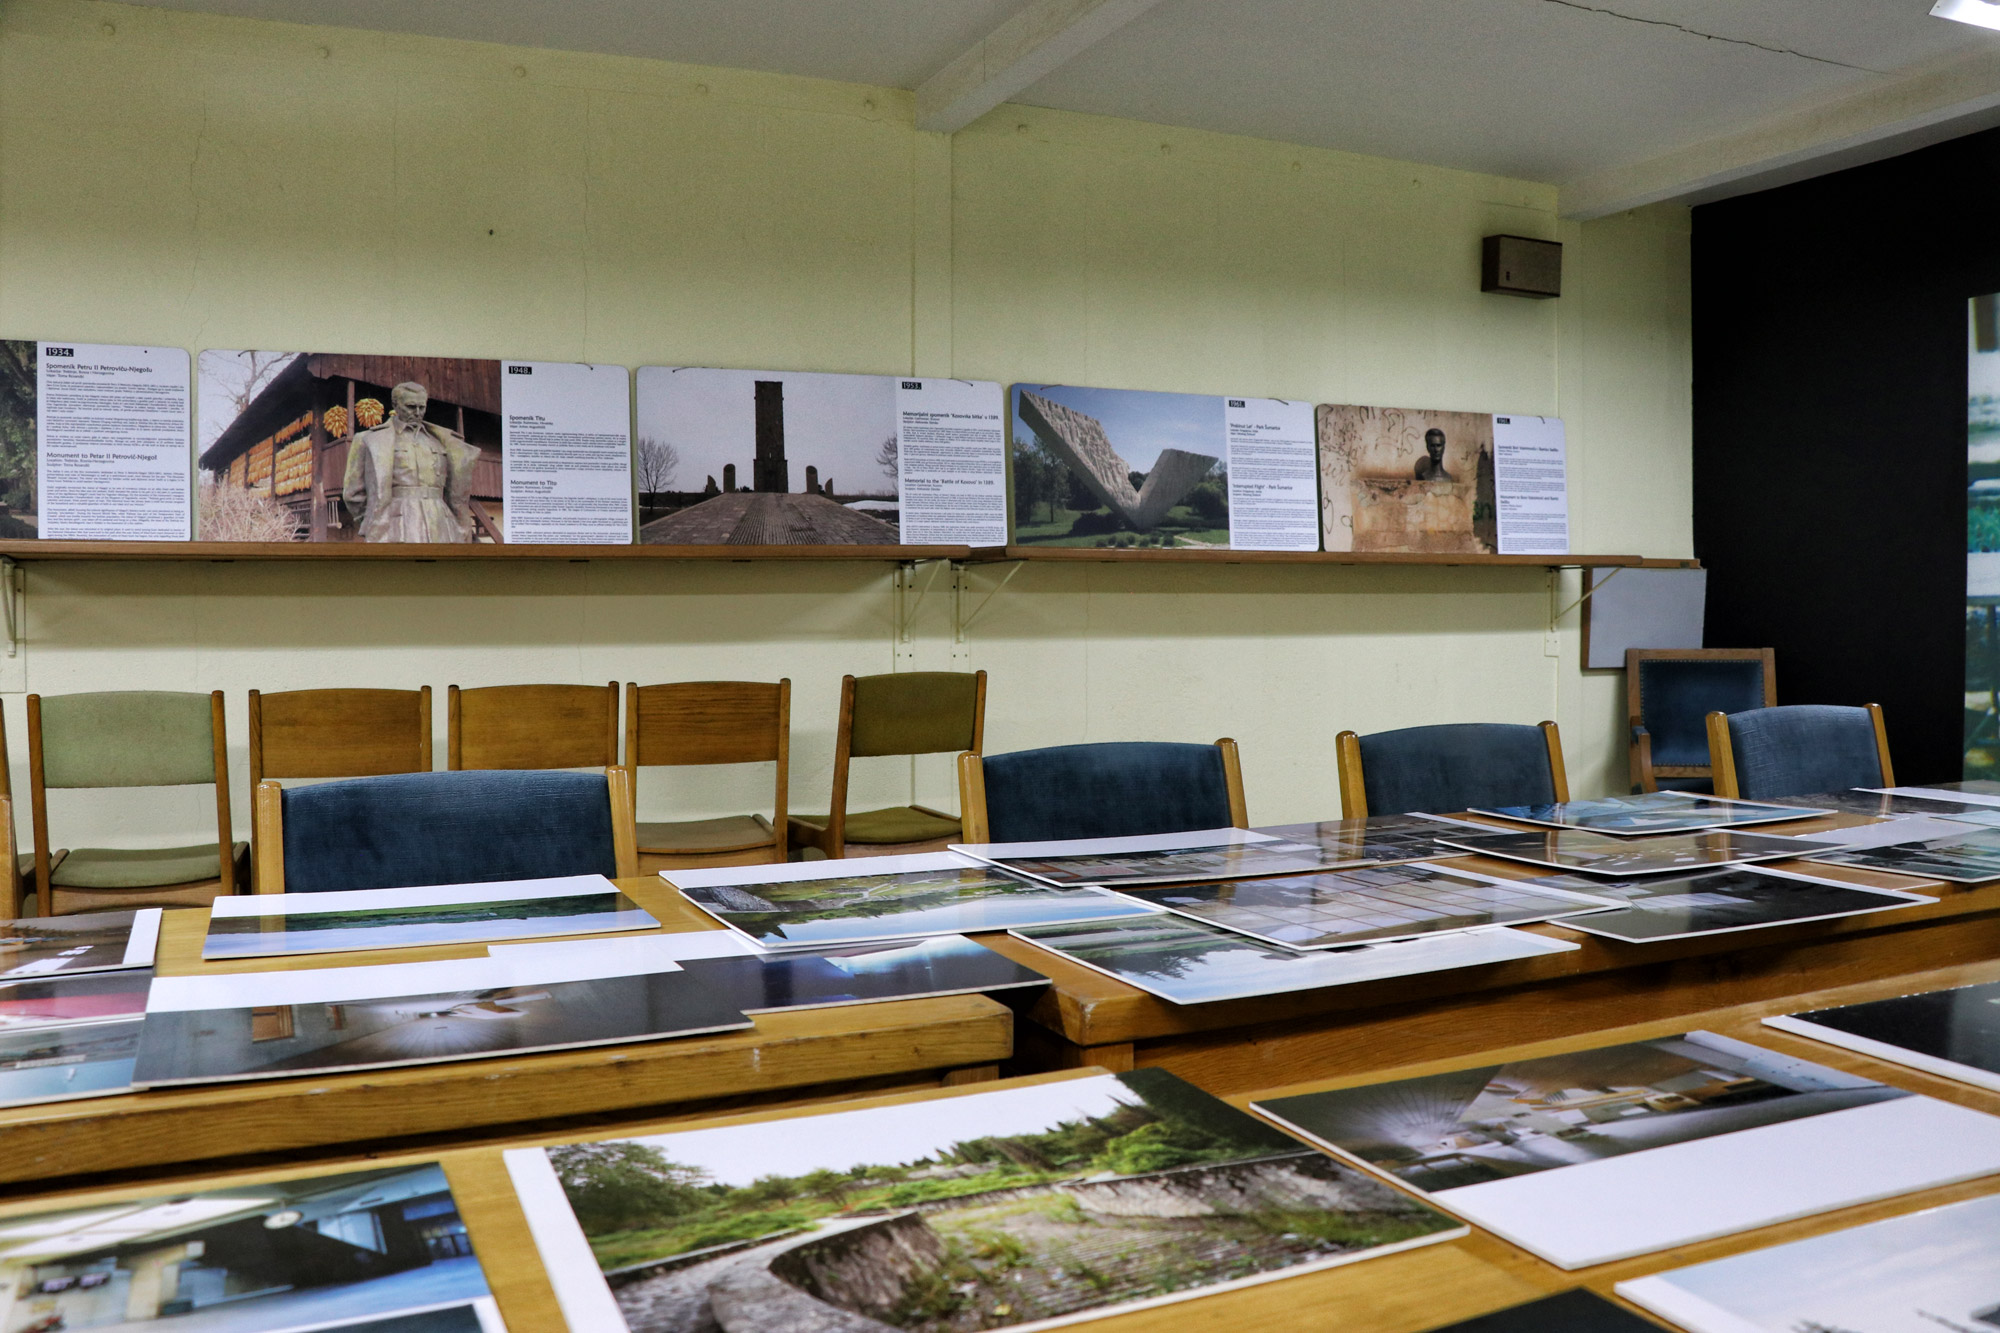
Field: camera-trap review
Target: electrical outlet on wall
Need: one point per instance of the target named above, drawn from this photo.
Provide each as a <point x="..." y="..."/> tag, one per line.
<point x="1551" y="644"/>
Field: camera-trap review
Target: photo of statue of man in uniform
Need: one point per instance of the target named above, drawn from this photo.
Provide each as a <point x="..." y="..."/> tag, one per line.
<point x="410" y="480"/>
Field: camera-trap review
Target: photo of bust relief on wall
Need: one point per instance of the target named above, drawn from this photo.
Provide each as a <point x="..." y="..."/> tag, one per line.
<point x="1403" y="479"/>
<point x="313" y="446"/>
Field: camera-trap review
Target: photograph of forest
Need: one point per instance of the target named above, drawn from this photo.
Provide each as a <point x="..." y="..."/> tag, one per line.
<point x="1028" y="1204"/>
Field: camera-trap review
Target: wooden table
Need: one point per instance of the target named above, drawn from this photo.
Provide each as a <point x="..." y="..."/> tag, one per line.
<point x="1398" y="1293"/>
<point x="1088" y="1018"/>
<point x="805" y="1054"/>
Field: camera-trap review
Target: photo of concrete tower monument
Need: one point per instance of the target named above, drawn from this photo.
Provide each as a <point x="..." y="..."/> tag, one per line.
<point x="1119" y="468"/>
<point x="766" y="458"/>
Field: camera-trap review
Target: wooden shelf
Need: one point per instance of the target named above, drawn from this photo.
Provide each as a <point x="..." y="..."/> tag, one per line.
<point x="421" y="553"/>
<point x="1111" y="555"/>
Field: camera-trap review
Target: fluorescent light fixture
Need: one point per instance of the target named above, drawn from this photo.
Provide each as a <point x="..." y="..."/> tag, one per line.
<point x="1979" y="13"/>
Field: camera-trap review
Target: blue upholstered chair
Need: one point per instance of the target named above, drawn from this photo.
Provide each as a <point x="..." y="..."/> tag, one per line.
<point x="1669" y="693"/>
<point x="1114" y="789"/>
<point x="1798" y="749"/>
<point x="466" y="827"/>
<point x="1454" y="766"/>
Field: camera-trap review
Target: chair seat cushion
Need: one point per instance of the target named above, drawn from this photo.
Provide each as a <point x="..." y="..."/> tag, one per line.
<point x="902" y="823"/>
<point x="730" y="833"/>
<point x="136" y="867"/>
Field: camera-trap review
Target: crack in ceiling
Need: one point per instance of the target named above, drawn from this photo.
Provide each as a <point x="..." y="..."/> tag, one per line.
<point x="1712" y="37"/>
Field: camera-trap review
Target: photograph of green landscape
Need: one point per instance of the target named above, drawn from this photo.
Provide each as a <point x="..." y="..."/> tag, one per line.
<point x="1020" y="1207"/>
<point x="249" y="927"/>
<point x="938" y="894"/>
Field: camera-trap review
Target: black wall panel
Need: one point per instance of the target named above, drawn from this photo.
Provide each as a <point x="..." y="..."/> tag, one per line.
<point x="1829" y="431"/>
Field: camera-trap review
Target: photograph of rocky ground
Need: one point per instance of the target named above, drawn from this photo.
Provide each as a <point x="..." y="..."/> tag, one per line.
<point x="1017" y="1206"/>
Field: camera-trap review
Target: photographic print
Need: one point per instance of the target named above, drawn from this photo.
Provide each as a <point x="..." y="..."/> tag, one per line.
<point x="1376" y="840"/>
<point x="1368" y="905"/>
<point x="813" y="903"/>
<point x="902" y="970"/>
<point x="1971" y="859"/>
<point x="88" y="942"/>
<point x="1445" y="1131"/>
<point x="1156" y="858"/>
<point x="60" y="1001"/>
<point x="1882" y="805"/>
<point x="1651" y="812"/>
<point x="1023" y="1206"/>
<point x="280" y="1040"/>
<point x="1982" y="540"/>
<point x="1602" y="854"/>
<point x="1952" y="1033"/>
<point x="265" y="925"/>
<point x="1726" y="900"/>
<point x="1191" y="962"/>
<point x="19" y="406"/>
<point x="382" y="1250"/>
<point x="1119" y="467"/>
<point x="320" y="446"/>
<point x="51" y="1063"/>
<point x="789" y="458"/>
<point x="1575" y="1311"/>
<point x="1402" y="479"/>
<point x="1918" y="1273"/>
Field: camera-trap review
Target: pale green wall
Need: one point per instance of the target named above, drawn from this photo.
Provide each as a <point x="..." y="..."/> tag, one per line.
<point x="205" y="182"/>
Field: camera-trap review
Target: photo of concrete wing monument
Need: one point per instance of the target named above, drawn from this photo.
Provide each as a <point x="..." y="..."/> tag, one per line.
<point x="1404" y="479"/>
<point x="1119" y="468"/>
<point x="766" y="458"/>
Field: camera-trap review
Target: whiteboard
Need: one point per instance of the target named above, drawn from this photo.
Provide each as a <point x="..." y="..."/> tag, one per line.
<point x="1640" y="608"/>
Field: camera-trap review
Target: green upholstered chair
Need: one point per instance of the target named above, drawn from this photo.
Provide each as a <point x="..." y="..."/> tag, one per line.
<point x="131" y="738"/>
<point x="710" y="722"/>
<point x="906" y="713"/>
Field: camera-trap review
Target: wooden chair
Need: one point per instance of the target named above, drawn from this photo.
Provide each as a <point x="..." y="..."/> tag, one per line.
<point x="17" y="891"/>
<point x="135" y="738"/>
<point x="1797" y="750"/>
<point x="532" y="726"/>
<point x="403" y="830"/>
<point x="1669" y="693"/>
<point x="710" y="722"/>
<point x="339" y="733"/>
<point x="903" y="713"/>
<point x="1455" y="766"/>
<point x="1111" y="789"/>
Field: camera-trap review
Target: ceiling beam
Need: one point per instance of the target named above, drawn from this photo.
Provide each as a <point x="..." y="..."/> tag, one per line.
<point x="1032" y="44"/>
<point x="1889" y="116"/>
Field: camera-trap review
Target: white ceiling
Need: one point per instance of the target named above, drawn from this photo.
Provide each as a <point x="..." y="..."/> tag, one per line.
<point x="1547" y="90"/>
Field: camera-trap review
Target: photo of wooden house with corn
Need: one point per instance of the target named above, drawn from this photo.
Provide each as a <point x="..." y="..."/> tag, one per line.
<point x="277" y="429"/>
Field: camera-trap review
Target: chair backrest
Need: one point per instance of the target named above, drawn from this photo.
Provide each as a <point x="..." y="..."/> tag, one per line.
<point x="532" y="726"/>
<point x="1452" y="766"/>
<point x="1798" y="749"/>
<point x="707" y="722"/>
<point x="127" y="738"/>
<point x="1671" y="692"/>
<point x="443" y="828"/>
<point x="1111" y="789"/>
<point x="339" y="733"/>
<point x="914" y="712"/>
<point x="124" y="738"/>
